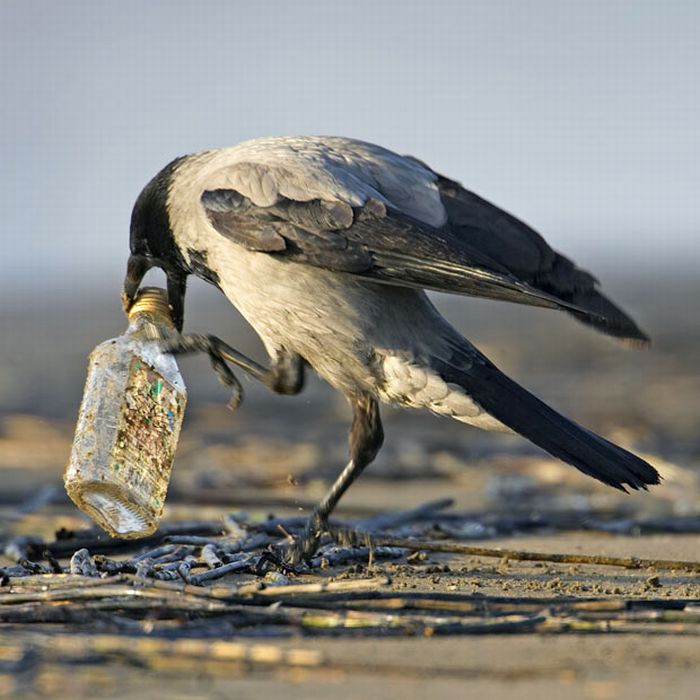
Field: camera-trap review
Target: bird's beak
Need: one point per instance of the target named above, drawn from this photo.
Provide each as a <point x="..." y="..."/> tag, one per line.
<point x="177" y="286"/>
<point x="136" y="269"/>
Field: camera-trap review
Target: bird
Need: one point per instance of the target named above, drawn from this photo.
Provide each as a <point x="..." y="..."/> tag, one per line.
<point x="328" y="246"/>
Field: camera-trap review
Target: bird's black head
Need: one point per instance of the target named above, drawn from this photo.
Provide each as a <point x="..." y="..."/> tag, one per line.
<point x="152" y="244"/>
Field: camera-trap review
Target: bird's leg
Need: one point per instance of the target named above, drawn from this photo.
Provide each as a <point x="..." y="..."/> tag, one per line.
<point x="284" y="376"/>
<point x="366" y="438"/>
<point x="286" y="373"/>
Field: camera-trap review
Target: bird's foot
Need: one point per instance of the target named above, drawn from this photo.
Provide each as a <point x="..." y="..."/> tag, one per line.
<point x="302" y="550"/>
<point x="194" y="343"/>
<point x="271" y="558"/>
<point x="304" y="546"/>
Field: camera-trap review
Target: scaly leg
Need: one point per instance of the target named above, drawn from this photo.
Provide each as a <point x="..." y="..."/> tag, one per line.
<point x="366" y="438"/>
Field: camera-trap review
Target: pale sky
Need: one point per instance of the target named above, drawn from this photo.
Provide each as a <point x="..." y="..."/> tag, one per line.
<point x="583" y="118"/>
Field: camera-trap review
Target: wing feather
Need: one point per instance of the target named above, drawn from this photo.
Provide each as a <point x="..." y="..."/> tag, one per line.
<point x="522" y="250"/>
<point x="479" y="250"/>
<point x="380" y="244"/>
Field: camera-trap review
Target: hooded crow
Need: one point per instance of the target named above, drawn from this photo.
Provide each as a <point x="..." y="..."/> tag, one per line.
<point x="327" y="246"/>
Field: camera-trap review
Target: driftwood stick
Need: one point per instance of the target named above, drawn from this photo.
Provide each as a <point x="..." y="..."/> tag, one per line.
<point x="82" y="564"/>
<point x="79" y="592"/>
<point x="223" y="543"/>
<point x="225" y="592"/>
<point x="336" y="556"/>
<point x="617" y="626"/>
<point x="210" y="557"/>
<point x="516" y="555"/>
<point x="152" y="554"/>
<point x="54" y="581"/>
<point x="322" y="586"/>
<point x="224" y="570"/>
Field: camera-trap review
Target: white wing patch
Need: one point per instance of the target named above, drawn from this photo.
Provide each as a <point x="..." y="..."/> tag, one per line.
<point x="327" y="168"/>
<point x="417" y="386"/>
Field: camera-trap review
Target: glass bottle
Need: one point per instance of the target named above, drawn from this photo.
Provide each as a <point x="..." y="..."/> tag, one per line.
<point x="129" y="424"/>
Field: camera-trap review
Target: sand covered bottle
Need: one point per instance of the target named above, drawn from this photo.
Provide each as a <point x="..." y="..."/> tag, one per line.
<point x="129" y="423"/>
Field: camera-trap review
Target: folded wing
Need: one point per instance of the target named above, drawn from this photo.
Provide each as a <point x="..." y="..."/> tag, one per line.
<point x="480" y="250"/>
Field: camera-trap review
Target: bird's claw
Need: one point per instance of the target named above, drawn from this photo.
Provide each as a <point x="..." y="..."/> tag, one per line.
<point x="183" y="344"/>
<point x="303" y="547"/>
<point x="272" y="557"/>
<point x="228" y="379"/>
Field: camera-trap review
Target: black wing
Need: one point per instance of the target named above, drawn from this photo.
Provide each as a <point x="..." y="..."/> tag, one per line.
<point x="480" y="251"/>
<point x="522" y="250"/>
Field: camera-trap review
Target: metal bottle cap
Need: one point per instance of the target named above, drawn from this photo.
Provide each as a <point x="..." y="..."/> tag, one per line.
<point x="152" y="301"/>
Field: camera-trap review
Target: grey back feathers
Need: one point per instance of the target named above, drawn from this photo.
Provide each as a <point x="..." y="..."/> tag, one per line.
<point x="333" y="169"/>
<point x="349" y="206"/>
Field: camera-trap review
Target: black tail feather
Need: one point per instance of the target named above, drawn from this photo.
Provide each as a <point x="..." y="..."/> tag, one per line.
<point x="524" y="413"/>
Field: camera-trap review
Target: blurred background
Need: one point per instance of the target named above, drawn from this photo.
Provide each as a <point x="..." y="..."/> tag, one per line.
<point x="580" y="118"/>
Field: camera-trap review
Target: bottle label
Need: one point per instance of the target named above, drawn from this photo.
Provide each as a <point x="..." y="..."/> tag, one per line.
<point x="147" y="434"/>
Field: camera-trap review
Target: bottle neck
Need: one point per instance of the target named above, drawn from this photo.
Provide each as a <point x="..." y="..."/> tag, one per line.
<point x="150" y="315"/>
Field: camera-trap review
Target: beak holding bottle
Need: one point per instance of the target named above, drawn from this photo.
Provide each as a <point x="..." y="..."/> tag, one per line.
<point x="136" y="269"/>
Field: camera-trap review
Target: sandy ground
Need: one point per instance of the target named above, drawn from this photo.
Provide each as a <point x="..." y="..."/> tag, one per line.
<point x="586" y="667"/>
<point x="278" y="454"/>
<point x="583" y="665"/>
